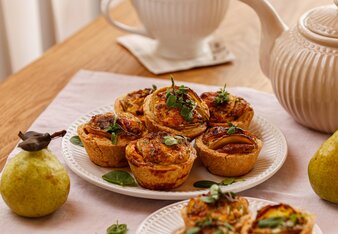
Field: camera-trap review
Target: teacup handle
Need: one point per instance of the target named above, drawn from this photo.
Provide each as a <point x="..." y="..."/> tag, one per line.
<point x="105" y="5"/>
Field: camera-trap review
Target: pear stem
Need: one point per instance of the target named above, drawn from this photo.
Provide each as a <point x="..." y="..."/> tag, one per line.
<point x="58" y="134"/>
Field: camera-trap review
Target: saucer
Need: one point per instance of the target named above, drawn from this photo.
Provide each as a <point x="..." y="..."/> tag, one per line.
<point x="144" y="49"/>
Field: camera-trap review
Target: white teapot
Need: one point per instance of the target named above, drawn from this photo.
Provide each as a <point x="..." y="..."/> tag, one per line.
<point x="302" y="63"/>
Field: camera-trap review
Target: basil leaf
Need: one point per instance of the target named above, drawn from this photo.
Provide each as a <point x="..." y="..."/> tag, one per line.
<point x="207" y="199"/>
<point x="171" y="101"/>
<point x="293" y="218"/>
<point x="154" y="87"/>
<point x="170" y="140"/>
<point x="228" y="180"/>
<point x="231" y="130"/>
<point x="117" y="229"/>
<point x="113" y="138"/>
<point x="168" y="93"/>
<point x="204" y="223"/>
<point x="75" y="140"/>
<point x="179" y="99"/>
<point x="193" y="230"/>
<point x="222" y="96"/>
<point x="183" y="90"/>
<point x="204" y="184"/>
<point x="118" y="177"/>
<point x="186" y="113"/>
<point x="215" y="191"/>
<point x="270" y="222"/>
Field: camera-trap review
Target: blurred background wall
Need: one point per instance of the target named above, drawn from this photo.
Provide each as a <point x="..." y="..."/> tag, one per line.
<point x="29" y="27"/>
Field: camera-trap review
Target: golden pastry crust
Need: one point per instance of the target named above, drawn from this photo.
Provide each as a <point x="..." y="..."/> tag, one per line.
<point x="160" y="117"/>
<point x="227" y="154"/>
<point x="287" y="220"/>
<point x="133" y="103"/>
<point x="98" y="141"/>
<point x="236" y="110"/>
<point x="159" y="166"/>
<point x="230" y="213"/>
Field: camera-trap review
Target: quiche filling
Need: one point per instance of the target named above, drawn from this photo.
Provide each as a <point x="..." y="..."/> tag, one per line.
<point x="216" y="211"/>
<point x="229" y="140"/>
<point x="227" y="111"/>
<point x="281" y="218"/>
<point x="152" y="149"/>
<point x="172" y="116"/>
<point x="133" y="102"/>
<point x="108" y="125"/>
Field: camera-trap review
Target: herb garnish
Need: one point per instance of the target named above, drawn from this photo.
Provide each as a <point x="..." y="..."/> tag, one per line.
<point x="293" y="218"/>
<point x="114" y="129"/>
<point x="278" y="221"/>
<point x="232" y="128"/>
<point x="117" y="228"/>
<point x="118" y="177"/>
<point x="178" y="99"/>
<point x="230" y="180"/>
<point x="216" y="193"/>
<point x="193" y="230"/>
<point x="173" y="140"/>
<point x="271" y="222"/>
<point x="209" y="183"/>
<point x="154" y="87"/>
<point x="75" y="140"/>
<point x="222" y="96"/>
<point x="204" y="183"/>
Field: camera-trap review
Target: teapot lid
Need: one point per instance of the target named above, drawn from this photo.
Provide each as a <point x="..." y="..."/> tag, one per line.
<point x="323" y="20"/>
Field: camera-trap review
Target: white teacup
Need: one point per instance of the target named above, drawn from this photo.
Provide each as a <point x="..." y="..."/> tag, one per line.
<point x="181" y="27"/>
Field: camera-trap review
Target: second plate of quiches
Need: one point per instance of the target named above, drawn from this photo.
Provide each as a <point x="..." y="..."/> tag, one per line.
<point x="106" y="135"/>
<point x="228" y="151"/>
<point x="225" y="107"/>
<point x="177" y="110"/>
<point x="217" y="212"/>
<point x="160" y="160"/>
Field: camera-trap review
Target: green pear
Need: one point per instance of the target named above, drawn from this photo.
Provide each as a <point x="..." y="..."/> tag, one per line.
<point x="323" y="170"/>
<point x="34" y="184"/>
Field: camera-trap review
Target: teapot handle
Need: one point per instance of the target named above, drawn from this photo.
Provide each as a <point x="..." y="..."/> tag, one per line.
<point x="105" y="6"/>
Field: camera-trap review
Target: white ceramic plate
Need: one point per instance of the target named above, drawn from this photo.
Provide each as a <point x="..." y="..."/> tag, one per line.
<point x="270" y="160"/>
<point x="168" y="219"/>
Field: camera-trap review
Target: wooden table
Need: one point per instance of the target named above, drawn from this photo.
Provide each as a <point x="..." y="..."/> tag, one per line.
<point x="24" y="95"/>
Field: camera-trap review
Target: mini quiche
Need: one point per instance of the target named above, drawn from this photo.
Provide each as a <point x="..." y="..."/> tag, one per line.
<point x="160" y="161"/>
<point x="105" y="137"/>
<point x="133" y="102"/>
<point x="281" y="219"/>
<point x="228" y="151"/>
<point x="177" y="110"/>
<point x="216" y="212"/>
<point x="225" y="108"/>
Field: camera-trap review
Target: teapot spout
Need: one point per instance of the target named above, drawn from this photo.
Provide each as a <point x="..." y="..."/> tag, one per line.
<point x="272" y="28"/>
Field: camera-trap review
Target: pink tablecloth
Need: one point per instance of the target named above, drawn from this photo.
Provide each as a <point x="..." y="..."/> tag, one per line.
<point x="90" y="209"/>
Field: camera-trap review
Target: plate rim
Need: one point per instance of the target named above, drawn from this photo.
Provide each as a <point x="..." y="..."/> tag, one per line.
<point x="250" y="199"/>
<point x="154" y="194"/>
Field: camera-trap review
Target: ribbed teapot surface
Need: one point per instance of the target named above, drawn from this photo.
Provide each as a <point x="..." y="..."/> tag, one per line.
<point x="304" y="76"/>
